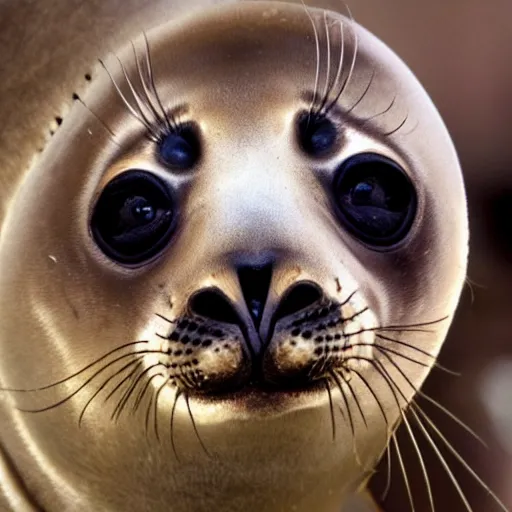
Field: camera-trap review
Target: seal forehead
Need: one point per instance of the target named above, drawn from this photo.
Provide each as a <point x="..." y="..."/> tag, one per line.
<point x="234" y="59"/>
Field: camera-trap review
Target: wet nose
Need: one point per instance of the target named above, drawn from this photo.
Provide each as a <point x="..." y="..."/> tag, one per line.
<point x="255" y="285"/>
<point x="255" y="281"/>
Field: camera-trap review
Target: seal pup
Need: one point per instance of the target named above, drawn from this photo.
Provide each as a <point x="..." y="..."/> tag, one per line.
<point x="237" y="270"/>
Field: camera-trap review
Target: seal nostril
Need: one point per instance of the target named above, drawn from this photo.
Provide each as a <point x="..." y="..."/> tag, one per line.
<point x="255" y="284"/>
<point x="301" y="296"/>
<point x="212" y="304"/>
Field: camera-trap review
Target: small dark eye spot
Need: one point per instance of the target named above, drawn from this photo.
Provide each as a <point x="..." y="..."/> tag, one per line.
<point x="317" y="134"/>
<point x="179" y="149"/>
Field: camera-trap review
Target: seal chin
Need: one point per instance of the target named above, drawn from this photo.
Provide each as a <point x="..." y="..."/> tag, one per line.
<point x="258" y="399"/>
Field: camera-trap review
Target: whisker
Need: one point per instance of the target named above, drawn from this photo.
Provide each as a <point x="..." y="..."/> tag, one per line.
<point x="383" y="112"/>
<point x="173" y="410"/>
<point x="414" y="127"/>
<point x="138" y="102"/>
<point x="382" y="349"/>
<point x="98" y="391"/>
<point x="148" y="414"/>
<point x="407" y="326"/>
<point x="415" y="407"/>
<point x="419" y="350"/>
<point x="372" y="329"/>
<point x="365" y="92"/>
<point x="331" y="409"/>
<point x="328" y="46"/>
<point x="354" y="316"/>
<point x="459" y="457"/>
<point x="453" y="417"/>
<point x="434" y="402"/>
<point x="194" y="426"/>
<point x="401" y="125"/>
<point x="114" y="136"/>
<point x="324" y="361"/>
<point x="84" y="369"/>
<point x="125" y="379"/>
<point x="352" y="65"/>
<point x="405" y="344"/>
<point x="370" y="389"/>
<point x="123" y="98"/>
<point x="74" y="393"/>
<point x="317" y="72"/>
<point x="185" y="378"/>
<point x="144" y="389"/>
<point x="147" y="93"/>
<point x="165" y="318"/>
<point x="420" y="459"/>
<point x="340" y="61"/>
<point x="442" y="460"/>
<point x="171" y="125"/>
<point x="404" y="471"/>
<point x="356" y="400"/>
<point x="314" y="368"/>
<point x="127" y="394"/>
<point x="387" y="487"/>
<point x="337" y="380"/>
<point x="348" y="299"/>
<point x="453" y="373"/>
<point x="393" y="328"/>
<point x="383" y="372"/>
<point x="155" y="410"/>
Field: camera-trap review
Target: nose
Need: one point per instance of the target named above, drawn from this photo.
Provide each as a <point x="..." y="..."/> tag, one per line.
<point x="255" y="285"/>
<point x="255" y="281"/>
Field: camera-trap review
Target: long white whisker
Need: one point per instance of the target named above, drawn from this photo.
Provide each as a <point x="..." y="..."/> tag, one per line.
<point x="459" y="457"/>
<point x="342" y="55"/>
<point x="151" y="78"/>
<point x="138" y="102"/>
<point x="353" y="63"/>
<point x="421" y="461"/>
<point x="127" y="104"/>
<point x="317" y="45"/>
<point x="404" y="471"/>
<point x="387" y="488"/>
<point x="328" y="47"/>
<point x="442" y="460"/>
<point x="147" y="92"/>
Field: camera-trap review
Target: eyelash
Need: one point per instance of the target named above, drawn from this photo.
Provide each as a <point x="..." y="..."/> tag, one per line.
<point x="159" y="128"/>
<point x="143" y="102"/>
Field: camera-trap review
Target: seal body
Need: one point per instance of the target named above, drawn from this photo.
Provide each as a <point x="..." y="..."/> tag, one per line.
<point x="235" y="347"/>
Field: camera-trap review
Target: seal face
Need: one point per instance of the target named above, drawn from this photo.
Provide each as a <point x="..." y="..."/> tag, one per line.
<point x="240" y="253"/>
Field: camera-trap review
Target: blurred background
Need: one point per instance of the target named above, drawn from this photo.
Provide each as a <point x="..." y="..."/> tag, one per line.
<point x="461" y="50"/>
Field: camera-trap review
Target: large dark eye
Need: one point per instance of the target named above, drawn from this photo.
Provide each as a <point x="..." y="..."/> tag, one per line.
<point x="133" y="218"/>
<point x="179" y="149"/>
<point x="317" y="134"/>
<point x="375" y="199"/>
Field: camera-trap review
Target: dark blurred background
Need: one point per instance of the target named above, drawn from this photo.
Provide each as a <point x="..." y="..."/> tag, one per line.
<point x="461" y="50"/>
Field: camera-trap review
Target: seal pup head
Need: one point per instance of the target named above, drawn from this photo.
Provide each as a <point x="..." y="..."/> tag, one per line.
<point x="240" y="255"/>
